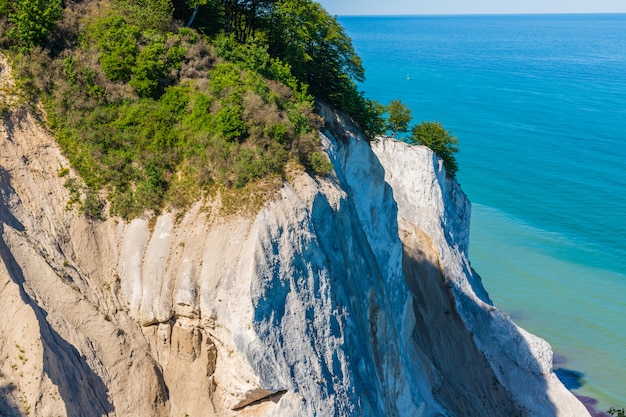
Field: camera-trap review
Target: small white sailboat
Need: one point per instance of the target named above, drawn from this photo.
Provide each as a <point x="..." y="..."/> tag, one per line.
<point x="408" y="77"/>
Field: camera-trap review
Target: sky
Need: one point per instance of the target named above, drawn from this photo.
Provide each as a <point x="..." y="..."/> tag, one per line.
<point x="409" y="7"/>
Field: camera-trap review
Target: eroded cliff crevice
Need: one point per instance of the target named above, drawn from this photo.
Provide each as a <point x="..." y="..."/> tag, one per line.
<point x="436" y="318"/>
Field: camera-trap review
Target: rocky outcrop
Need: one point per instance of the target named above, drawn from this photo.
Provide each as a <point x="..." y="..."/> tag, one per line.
<point x="345" y="295"/>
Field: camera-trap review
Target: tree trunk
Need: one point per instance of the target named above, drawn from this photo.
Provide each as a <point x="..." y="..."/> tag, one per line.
<point x="193" y="16"/>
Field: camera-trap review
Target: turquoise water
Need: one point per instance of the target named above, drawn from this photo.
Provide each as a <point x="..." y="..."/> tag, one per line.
<point x="539" y="106"/>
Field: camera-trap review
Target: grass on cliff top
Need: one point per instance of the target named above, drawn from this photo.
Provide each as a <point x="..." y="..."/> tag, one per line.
<point x="150" y="115"/>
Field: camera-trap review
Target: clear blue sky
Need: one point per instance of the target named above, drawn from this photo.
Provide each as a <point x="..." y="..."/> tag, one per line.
<point x="387" y="7"/>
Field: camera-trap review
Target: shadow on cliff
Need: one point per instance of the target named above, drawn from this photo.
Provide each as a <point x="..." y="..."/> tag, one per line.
<point x="352" y="250"/>
<point x="8" y="124"/>
<point x="7" y="406"/>
<point x="467" y="384"/>
<point x="82" y="390"/>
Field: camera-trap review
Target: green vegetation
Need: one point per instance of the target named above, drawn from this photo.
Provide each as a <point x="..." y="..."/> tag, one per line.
<point x="440" y="140"/>
<point x="157" y="102"/>
<point x="152" y="113"/>
<point x="430" y="134"/>
<point x="148" y="151"/>
<point x="30" y="20"/>
<point x="399" y="117"/>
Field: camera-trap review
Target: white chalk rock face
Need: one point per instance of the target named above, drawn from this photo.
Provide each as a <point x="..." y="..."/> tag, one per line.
<point x="518" y="363"/>
<point x="349" y="295"/>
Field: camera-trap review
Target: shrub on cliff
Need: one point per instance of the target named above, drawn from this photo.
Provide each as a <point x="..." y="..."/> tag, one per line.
<point x="440" y="140"/>
<point x="399" y="117"/>
<point x="30" y="21"/>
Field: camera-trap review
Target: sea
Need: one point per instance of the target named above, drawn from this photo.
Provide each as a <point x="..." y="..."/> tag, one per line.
<point x="538" y="104"/>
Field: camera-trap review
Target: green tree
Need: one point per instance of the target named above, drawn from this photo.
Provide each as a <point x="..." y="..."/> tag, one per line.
<point x="315" y="46"/>
<point x="195" y="5"/>
<point x="367" y="113"/>
<point x="153" y="64"/>
<point x="399" y="117"/>
<point x="32" y="21"/>
<point x="146" y="14"/>
<point x="206" y="16"/>
<point x="293" y="41"/>
<point x="5" y="8"/>
<point x="244" y="18"/>
<point x="118" y="43"/>
<point x="303" y="35"/>
<point x="440" y="140"/>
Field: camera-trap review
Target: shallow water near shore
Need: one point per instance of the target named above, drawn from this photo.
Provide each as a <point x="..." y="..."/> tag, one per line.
<point x="539" y="106"/>
<point x="578" y="308"/>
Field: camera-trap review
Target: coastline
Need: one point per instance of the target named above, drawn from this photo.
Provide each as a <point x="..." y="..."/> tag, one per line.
<point x="540" y="291"/>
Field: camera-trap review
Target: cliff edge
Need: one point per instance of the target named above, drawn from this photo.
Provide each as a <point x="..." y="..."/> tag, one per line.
<point x="346" y="295"/>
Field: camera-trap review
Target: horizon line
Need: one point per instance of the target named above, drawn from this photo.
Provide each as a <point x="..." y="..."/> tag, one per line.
<point x="480" y="14"/>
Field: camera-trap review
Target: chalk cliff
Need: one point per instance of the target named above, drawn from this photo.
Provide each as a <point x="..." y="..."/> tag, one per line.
<point x="347" y="295"/>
